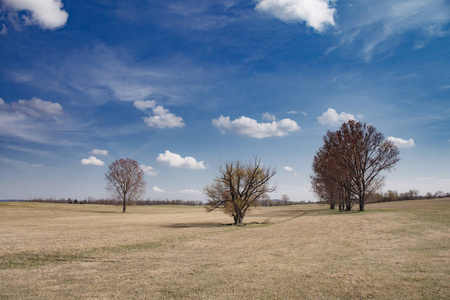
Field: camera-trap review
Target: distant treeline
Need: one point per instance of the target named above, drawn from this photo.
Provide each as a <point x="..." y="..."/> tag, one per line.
<point x="392" y="195"/>
<point x="114" y="202"/>
<point x="264" y="203"/>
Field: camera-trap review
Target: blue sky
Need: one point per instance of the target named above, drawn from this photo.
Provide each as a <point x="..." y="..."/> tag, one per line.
<point x="181" y="85"/>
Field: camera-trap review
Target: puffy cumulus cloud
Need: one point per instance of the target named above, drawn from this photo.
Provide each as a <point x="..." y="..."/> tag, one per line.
<point x="47" y="14"/>
<point x="267" y="116"/>
<point x="144" y="105"/>
<point x="175" y="160"/>
<point x="332" y="118"/>
<point x="192" y="192"/>
<point x="159" y="116"/>
<point x="401" y="143"/>
<point x="92" y="160"/>
<point x="99" y="152"/>
<point x="287" y="168"/>
<point x="251" y="128"/>
<point x="157" y="189"/>
<point x="148" y="170"/>
<point x="316" y="13"/>
<point x="162" y="118"/>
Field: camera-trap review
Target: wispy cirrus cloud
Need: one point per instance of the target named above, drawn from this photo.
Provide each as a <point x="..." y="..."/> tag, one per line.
<point x="373" y="27"/>
<point x="99" y="152"/>
<point x="251" y="128"/>
<point x="30" y="120"/>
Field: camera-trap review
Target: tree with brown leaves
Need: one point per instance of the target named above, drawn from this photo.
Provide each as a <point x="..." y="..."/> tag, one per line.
<point x="350" y="164"/>
<point x="125" y="181"/>
<point x="239" y="186"/>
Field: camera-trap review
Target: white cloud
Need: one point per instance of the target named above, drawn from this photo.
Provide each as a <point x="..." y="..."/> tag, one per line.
<point x="175" y="160"/>
<point x="251" y="128"/>
<point x="401" y="143"/>
<point x="99" y="152"/>
<point x="158" y="190"/>
<point x="48" y="14"/>
<point x="294" y="112"/>
<point x="316" y="13"/>
<point x="37" y="108"/>
<point x="193" y="192"/>
<point x="287" y="168"/>
<point x="92" y="160"/>
<point x="148" y="170"/>
<point x="144" y="105"/>
<point x="267" y="116"/>
<point x="375" y="26"/>
<point x="162" y="118"/>
<point x="29" y="119"/>
<point x="332" y="118"/>
<point x="2" y="101"/>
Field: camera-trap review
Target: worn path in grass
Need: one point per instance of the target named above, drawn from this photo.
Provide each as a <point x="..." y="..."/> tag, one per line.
<point x="394" y="250"/>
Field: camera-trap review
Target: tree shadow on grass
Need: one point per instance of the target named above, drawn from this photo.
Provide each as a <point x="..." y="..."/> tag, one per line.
<point x="196" y="225"/>
<point x="210" y="225"/>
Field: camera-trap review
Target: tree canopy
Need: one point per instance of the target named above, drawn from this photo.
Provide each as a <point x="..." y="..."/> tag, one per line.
<point x="239" y="186"/>
<point x="125" y="181"/>
<point x="347" y="168"/>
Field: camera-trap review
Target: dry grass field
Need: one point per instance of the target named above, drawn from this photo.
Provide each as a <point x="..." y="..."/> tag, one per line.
<point x="59" y="251"/>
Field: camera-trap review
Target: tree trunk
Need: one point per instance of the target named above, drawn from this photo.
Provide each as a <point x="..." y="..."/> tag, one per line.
<point x="238" y="218"/>
<point x="332" y="206"/>
<point x="124" y="205"/>
<point x="361" y="206"/>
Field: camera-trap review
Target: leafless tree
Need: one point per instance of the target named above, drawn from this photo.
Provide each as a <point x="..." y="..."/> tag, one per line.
<point x="352" y="158"/>
<point x="125" y="181"/>
<point x="239" y="186"/>
<point x="285" y="199"/>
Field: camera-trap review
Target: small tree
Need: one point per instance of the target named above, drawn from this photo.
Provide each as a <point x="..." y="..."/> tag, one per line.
<point x="239" y="186"/>
<point x="285" y="199"/>
<point x="125" y="181"/>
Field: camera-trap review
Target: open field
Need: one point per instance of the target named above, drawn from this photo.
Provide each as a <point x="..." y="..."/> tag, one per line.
<point x="397" y="250"/>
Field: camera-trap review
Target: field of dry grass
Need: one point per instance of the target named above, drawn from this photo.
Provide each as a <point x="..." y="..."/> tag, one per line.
<point x="59" y="251"/>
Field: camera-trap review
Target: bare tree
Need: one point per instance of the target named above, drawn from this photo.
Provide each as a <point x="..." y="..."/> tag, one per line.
<point x="285" y="199"/>
<point x="352" y="158"/>
<point x="239" y="186"/>
<point x="125" y="181"/>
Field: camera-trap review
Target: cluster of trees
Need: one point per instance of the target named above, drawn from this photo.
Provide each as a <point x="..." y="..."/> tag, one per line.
<point x="347" y="168"/>
<point x="412" y="194"/>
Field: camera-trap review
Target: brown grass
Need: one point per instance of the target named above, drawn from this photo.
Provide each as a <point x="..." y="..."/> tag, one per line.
<point x="59" y="251"/>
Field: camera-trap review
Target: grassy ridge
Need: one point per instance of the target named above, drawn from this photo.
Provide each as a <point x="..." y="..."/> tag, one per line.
<point x="394" y="250"/>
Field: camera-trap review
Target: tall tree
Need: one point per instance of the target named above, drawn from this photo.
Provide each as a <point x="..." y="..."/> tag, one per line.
<point x="353" y="158"/>
<point x="239" y="186"/>
<point x="125" y="181"/>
